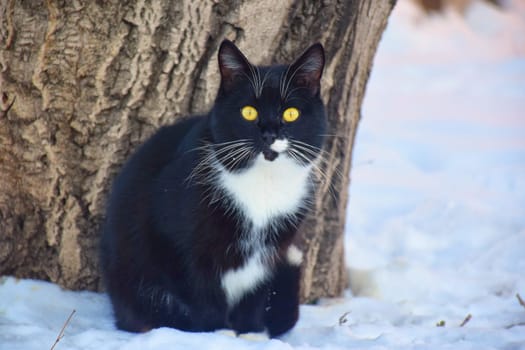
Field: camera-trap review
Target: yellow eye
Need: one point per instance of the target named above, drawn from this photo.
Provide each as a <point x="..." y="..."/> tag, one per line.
<point x="249" y="113"/>
<point x="291" y="114"/>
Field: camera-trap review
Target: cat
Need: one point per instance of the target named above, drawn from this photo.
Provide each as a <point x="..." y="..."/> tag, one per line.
<point x="200" y="222"/>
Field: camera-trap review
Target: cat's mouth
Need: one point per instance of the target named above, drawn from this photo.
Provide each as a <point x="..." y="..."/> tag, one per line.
<point x="270" y="155"/>
<point x="272" y="151"/>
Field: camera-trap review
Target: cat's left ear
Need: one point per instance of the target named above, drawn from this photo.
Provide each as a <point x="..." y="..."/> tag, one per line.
<point x="232" y="64"/>
<point x="307" y="70"/>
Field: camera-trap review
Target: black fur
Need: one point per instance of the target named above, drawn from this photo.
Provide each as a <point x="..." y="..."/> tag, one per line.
<point x="170" y="233"/>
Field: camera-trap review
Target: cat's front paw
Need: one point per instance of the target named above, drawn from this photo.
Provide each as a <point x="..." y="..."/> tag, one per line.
<point x="262" y="336"/>
<point x="227" y="332"/>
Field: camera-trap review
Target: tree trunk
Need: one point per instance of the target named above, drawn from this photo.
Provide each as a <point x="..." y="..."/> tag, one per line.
<point x="83" y="83"/>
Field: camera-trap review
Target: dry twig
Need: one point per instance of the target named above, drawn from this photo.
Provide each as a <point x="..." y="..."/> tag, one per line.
<point x="522" y="303"/>
<point x="61" y="334"/>
<point x="520" y="324"/>
<point x="469" y="316"/>
<point x="515" y="325"/>
<point x="343" y="319"/>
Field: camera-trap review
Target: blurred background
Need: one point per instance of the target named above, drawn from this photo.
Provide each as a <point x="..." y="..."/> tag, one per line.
<point x="437" y="195"/>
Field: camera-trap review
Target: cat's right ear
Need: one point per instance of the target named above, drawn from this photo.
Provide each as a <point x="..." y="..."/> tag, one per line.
<point x="306" y="71"/>
<point x="232" y="64"/>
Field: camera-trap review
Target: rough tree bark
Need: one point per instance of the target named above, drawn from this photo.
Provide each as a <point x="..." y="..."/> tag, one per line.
<point x="84" y="82"/>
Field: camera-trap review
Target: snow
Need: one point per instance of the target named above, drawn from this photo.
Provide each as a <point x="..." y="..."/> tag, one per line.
<point x="436" y="224"/>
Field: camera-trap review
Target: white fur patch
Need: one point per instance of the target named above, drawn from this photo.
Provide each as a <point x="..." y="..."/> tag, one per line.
<point x="263" y="192"/>
<point x="268" y="189"/>
<point x="294" y="256"/>
<point x="236" y="283"/>
<point x="279" y="146"/>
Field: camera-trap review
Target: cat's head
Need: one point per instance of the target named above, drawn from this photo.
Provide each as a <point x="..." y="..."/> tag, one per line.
<point x="268" y="112"/>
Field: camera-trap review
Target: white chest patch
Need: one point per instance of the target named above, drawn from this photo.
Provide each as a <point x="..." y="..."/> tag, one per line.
<point x="267" y="189"/>
<point x="236" y="283"/>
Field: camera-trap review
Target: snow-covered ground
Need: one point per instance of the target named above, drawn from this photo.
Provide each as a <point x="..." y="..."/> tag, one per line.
<point x="436" y="221"/>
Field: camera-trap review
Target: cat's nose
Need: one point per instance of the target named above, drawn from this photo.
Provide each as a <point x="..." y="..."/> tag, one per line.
<point x="269" y="137"/>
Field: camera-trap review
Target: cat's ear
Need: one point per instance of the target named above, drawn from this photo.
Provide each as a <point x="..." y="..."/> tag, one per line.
<point x="232" y="64"/>
<point x="307" y="70"/>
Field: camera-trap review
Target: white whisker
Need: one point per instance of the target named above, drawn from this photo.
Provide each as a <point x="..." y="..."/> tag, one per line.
<point x="210" y="153"/>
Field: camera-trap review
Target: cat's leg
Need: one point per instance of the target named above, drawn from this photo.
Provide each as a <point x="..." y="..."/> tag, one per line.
<point x="128" y="319"/>
<point x="200" y="314"/>
<point x="146" y="305"/>
<point x="122" y="291"/>
<point x="207" y="316"/>
<point x="139" y="307"/>
<point x="247" y="316"/>
<point x="282" y="310"/>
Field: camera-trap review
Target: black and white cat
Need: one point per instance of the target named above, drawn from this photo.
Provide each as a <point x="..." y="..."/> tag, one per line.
<point x="200" y="221"/>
